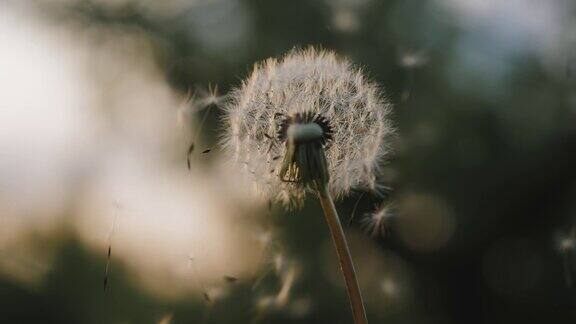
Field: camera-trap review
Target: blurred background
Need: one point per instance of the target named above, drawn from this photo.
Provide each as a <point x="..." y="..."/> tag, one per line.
<point x="102" y="221"/>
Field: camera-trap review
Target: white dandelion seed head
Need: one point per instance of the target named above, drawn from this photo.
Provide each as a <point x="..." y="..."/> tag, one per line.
<point x="313" y="82"/>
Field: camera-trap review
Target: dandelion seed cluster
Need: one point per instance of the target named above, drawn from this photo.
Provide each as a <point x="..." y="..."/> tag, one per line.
<point x="308" y="82"/>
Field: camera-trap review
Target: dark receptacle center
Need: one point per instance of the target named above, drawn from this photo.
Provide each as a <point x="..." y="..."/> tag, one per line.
<point x="303" y="119"/>
<point x="306" y="136"/>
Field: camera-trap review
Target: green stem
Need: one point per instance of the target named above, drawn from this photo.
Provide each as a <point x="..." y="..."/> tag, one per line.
<point x="344" y="256"/>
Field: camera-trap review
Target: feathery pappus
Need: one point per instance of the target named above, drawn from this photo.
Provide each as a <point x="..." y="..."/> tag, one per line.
<point x="332" y="99"/>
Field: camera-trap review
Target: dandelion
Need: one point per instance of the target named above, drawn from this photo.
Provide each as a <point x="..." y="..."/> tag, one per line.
<point x="310" y="122"/>
<point x="411" y="60"/>
<point x="377" y="223"/>
<point x="567" y="245"/>
<point x="346" y="14"/>
<point x="194" y="103"/>
<point x="287" y="273"/>
<point x="389" y="287"/>
<point x="308" y="88"/>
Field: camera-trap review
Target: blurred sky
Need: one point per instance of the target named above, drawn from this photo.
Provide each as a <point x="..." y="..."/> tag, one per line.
<point x="89" y="135"/>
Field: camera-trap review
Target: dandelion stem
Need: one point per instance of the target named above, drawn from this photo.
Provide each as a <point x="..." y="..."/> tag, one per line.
<point x="344" y="256"/>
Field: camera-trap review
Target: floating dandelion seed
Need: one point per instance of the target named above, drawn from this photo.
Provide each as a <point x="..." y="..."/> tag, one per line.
<point x="389" y="287"/>
<point x="205" y="293"/>
<point x="264" y="302"/>
<point x="281" y="300"/>
<point x="330" y="125"/>
<point x="412" y="59"/>
<point x="288" y="279"/>
<point x="279" y="263"/>
<point x="267" y="258"/>
<point x="567" y="245"/>
<point x="108" y="268"/>
<point x="351" y="219"/>
<point x="377" y="223"/>
<point x="300" y="307"/>
<point x="206" y="98"/>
